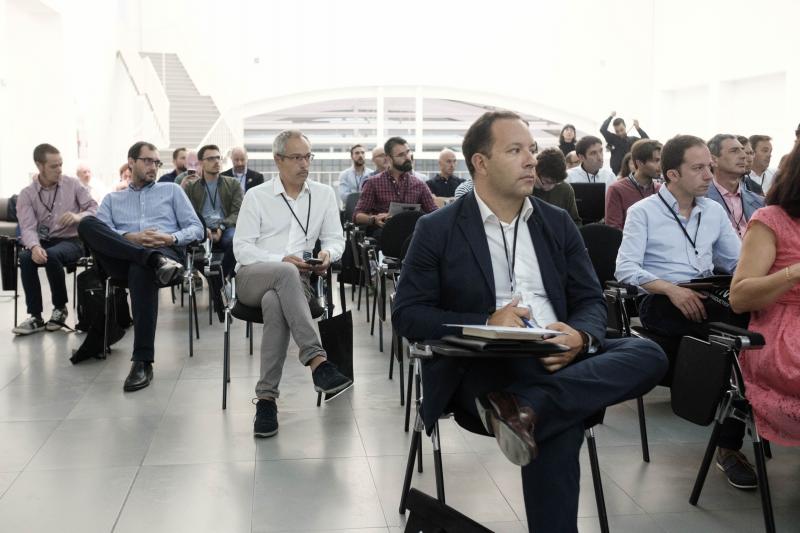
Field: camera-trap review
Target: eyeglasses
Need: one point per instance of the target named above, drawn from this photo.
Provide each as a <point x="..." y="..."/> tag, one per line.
<point x="213" y="158"/>
<point x="296" y="158"/>
<point x="150" y="161"/>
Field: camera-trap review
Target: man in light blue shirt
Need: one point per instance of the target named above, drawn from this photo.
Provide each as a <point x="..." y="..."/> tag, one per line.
<point x="353" y="178"/>
<point x="139" y="235"/>
<point x="674" y="236"/>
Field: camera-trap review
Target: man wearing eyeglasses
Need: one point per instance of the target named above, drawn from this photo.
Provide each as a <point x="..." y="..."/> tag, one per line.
<point x="140" y="234"/>
<point x="398" y="184"/>
<point x="279" y="224"/>
<point x="218" y="199"/>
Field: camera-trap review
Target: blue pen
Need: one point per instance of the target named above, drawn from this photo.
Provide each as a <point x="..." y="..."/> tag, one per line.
<point x="527" y="322"/>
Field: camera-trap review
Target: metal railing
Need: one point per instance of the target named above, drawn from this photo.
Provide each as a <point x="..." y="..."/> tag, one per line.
<point x="145" y="80"/>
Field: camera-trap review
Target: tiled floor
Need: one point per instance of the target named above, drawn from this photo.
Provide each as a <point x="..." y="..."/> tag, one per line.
<point x="79" y="455"/>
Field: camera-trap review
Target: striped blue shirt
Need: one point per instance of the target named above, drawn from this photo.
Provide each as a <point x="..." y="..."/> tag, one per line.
<point x="163" y="206"/>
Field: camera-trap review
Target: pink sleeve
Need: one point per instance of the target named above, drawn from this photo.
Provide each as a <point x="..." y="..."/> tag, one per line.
<point x="769" y="216"/>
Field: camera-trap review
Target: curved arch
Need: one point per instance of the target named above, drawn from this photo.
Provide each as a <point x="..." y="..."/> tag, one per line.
<point x="277" y="103"/>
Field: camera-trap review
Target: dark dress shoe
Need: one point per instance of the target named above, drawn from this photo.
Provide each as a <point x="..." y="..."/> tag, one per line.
<point x="511" y="424"/>
<point x="140" y="376"/>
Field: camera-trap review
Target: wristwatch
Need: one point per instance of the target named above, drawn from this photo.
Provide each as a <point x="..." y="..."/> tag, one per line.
<point x="174" y="239"/>
<point x="372" y="220"/>
<point x="590" y="344"/>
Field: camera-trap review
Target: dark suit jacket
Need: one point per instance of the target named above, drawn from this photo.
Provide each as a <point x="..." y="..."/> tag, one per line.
<point x="253" y="178"/>
<point x="447" y="278"/>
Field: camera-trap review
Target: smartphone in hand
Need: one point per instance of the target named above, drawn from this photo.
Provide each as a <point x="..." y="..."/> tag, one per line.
<point x="313" y="261"/>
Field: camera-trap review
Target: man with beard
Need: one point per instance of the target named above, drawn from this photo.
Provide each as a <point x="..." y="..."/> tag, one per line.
<point x="178" y="164"/>
<point x="352" y="179"/>
<point x="620" y="195"/>
<point x="726" y="188"/>
<point x="590" y="170"/>
<point x="247" y="178"/>
<point x="397" y="184"/>
<point x="140" y="235"/>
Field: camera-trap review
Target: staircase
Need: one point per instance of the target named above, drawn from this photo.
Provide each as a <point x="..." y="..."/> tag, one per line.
<point x="191" y="114"/>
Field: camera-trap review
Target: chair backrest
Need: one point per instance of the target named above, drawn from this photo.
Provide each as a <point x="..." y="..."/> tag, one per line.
<point x="404" y="248"/>
<point x="590" y="199"/>
<point x="602" y="242"/>
<point x="350" y="205"/>
<point x="397" y="230"/>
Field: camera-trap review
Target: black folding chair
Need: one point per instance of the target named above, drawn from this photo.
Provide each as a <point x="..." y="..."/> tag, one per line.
<point x="417" y="353"/>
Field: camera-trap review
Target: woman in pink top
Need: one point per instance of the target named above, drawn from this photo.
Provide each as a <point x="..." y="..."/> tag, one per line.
<point x="767" y="283"/>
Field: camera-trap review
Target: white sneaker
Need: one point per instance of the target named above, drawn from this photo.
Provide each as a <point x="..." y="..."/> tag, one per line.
<point x="31" y="325"/>
<point x="57" y="320"/>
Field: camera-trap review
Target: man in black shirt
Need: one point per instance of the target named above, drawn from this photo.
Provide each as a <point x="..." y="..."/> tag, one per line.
<point x="445" y="183"/>
<point x="619" y="142"/>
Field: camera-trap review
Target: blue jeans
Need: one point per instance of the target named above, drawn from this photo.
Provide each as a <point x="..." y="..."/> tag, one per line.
<point x="60" y="252"/>
<point x="225" y="244"/>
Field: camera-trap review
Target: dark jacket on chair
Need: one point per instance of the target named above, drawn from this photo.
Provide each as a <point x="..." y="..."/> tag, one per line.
<point x="447" y="279"/>
<point x="252" y="178"/>
<point x="230" y="194"/>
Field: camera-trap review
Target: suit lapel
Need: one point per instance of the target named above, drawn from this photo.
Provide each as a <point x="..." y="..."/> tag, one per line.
<point x="543" y="250"/>
<point x="471" y="225"/>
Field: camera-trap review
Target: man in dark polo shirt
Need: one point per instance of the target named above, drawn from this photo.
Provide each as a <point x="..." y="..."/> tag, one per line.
<point x="623" y="193"/>
<point x="551" y="171"/>
<point x="444" y="184"/>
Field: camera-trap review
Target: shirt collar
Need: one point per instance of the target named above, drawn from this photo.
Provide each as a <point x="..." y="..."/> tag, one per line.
<point x="487" y="214"/>
<point x="148" y="186"/>
<point x="665" y="193"/>
<point x="442" y="178"/>
<point x="278" y="189"/>
<point x="242" y="173"/>
<point x="725" y="192"/>
<point x="38" y="184"/>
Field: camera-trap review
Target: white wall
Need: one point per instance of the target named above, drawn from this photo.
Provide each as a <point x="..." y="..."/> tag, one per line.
<point x="678" y="65"/>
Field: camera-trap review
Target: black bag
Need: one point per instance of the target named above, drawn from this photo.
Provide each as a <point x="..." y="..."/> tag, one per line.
<point x="702" y="375"/>
<point x="8" y="267"/>
<point x="91" y="315"/>
<point x="336" y="335"/>
<point x="11" y="209"/>
<point x="429" y="515"/>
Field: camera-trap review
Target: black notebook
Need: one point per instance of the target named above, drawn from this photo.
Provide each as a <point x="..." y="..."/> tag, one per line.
<point x="505" y="346"/>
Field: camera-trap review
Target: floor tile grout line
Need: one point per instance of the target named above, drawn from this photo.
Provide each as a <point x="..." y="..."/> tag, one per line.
<point x="369" y="465"/>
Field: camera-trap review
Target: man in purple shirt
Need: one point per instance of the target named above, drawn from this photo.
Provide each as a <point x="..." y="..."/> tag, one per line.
<point x="49" y="210"/>
<point x="397" y="184"/>
<point x="623" y="193"/>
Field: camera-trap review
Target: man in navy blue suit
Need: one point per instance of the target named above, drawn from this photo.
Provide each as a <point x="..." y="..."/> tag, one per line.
<point x="498" y="255"/>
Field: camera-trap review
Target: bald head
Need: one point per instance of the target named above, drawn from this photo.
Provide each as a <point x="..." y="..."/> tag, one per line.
<point x="447" y="163"/>
<point x="84" y="173"/>
<point x="239" y="159"/>
<point x="379" y="159"/>
<point x="572" y="160"/>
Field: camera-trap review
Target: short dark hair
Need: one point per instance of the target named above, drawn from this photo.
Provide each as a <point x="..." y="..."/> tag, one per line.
<point x="205" y="148"/>
<point x="390" y="143"/>
<point x="673" y="151"/>
<point x="177" y="152"/>
<point x="136" y="149"/>
<point x="585" y="143"/>
<point x="551" y="164"/>
<point x="715" y="143"/>
<point x="643" y="149"/>
<point x="41" y="151"/>
<point x="755" y="139"/>
<point x="743" y="140"/>
<point x="618" y="121"/>
<point x="785" y="190"/>
<point x="354" y="147"/>
<point x="479" y="140"/>
<point x="623" y="167"/>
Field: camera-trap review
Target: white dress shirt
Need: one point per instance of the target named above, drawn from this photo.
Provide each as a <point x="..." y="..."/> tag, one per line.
<point x="266" y="230"/>
<point x="579" y="175"/>
<point x="526" y="274"/>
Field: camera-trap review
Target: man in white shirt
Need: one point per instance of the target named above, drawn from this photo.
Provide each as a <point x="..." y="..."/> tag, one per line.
<point x="760" y="172"/>
<point x="590" y="170"/>
<point x="276" y="233"/>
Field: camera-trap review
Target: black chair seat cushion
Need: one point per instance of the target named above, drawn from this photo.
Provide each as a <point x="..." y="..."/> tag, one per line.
<point x="248" y="314"/>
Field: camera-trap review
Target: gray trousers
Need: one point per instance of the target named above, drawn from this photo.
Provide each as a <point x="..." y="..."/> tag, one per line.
<point x="278" y="290"/>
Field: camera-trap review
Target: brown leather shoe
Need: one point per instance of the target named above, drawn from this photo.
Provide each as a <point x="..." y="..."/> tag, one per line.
<point x="511" y="424"/>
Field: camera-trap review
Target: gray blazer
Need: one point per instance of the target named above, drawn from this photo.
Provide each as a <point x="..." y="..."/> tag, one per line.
<point x="750" y="200"/>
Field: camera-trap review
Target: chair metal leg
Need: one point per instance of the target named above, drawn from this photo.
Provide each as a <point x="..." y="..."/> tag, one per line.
<point x="763" y="484"/>
<point x="74" y="287"/>
<point x="106" y="348"/>
<point x="767" y="448"/>
<point x="210" y="306"/>
<point x="191" y="321"/>
<point x="643" y="430"/>
<point x="416" y="443"/>
<point x="709" y="455"/>
<point x="597" y="480"/>
<point x="196" y="315"/>
<point x="392" y="353"/>
<point x="372" y="322"/>
<point x="411" y="368"/>
<point x="226" y="358"/>
<point x="250" y="327"/>
<point x="400" y="353"/>
<point x="437" y="463"/>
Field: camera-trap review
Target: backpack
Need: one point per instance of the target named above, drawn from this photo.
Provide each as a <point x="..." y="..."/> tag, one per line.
<point x="91" y="315"/>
